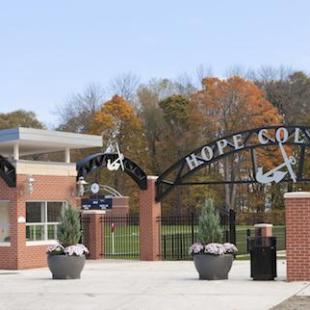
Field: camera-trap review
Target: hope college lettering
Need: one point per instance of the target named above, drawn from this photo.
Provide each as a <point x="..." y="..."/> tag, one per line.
<point x="249" y="167"/>
<point x="239" y="142"/>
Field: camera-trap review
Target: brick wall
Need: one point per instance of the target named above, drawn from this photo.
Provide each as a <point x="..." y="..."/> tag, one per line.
<point x="94" y="239"/>
<point x="120" y="207"/>
<point x="150" y="211"/>
<point x="19" y="255"/>
<point x="8" y="255"/>
<point x="297" y="212"/>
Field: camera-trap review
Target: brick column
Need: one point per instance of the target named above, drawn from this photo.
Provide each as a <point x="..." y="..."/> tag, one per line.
<point x="94" y="233"/>
<point x="263" y="230"/>
<point x="150" y="212"/>
<point x="297" y="216"/>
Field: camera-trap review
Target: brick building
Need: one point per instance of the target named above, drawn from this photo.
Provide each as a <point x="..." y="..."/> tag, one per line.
<point x="33" y="193"/>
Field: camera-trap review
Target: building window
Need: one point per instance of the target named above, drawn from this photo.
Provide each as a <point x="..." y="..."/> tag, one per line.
<point x="42" y="219"/>
<point x="4" y="222"/>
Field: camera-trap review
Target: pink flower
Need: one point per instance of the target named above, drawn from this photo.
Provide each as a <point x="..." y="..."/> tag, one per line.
<point x="55" y="249"/>
<point x="215" y="249"/>
<point x="196" y="248"/>
<point x="78" y="250"/>
<point x="230" y="248"/>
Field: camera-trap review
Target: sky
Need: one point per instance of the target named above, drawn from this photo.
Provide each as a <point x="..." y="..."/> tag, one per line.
<point x="52" y="49"/>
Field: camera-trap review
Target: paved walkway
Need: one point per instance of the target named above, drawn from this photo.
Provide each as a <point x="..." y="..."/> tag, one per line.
<point x="144" y="285"/>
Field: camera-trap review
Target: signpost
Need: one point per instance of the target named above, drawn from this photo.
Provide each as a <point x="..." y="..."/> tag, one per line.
<point x="96" y="204"/>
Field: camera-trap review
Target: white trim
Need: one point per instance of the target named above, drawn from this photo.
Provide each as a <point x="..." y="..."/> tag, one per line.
<point x="41" y="242"/>
<point x="5" y="244"/>
<point x="297" y="195"/>
<point x="47" y="201"/>
<point x="36" y="141"/>
<point x="93" y="212"/>
<point x="16" y="151"/>
<point x="44" y="168"/>
<point x="152" y="177"/>
<point x="67" y="155"/>
<point x="262" y="225"/>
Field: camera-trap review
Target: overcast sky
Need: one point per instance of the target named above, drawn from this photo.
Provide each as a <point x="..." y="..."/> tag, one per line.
<point x="51" y="49"/>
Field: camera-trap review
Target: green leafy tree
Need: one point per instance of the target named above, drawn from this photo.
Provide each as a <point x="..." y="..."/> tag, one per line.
<point x="20" y="118"/>
<point x="69" y="230"/>
<point x="209" y="228"/>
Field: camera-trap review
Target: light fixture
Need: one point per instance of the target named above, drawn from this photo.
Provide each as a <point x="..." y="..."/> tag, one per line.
<point x="29" y="184"/>
<point x="81" y="186"/>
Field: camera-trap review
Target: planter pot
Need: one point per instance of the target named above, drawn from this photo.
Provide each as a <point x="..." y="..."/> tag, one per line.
<point x="213" y="267"/>
<point x="65" y="266"/>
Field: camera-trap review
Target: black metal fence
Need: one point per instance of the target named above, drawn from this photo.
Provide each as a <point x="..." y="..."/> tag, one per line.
<point x="178" y="233"/>
<point x="121" y="237"/>
<point x="85" y="228"/>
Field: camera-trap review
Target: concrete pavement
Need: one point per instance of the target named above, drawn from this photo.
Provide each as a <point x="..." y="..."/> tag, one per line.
<point x="144" y="285"/>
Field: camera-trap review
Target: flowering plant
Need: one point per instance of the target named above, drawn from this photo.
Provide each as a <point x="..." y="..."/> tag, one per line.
<point x="210" y="233"/>
<point x="213" y="248"/>
<point x="69" y="234"/>
<point x="76" y="250"/>
<point x="72" y="250"/>
<point x="55" y="249"/>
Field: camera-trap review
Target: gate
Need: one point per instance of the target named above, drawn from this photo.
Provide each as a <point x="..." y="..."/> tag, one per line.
<point x="121" y="237"/>
<point x="85" y="231"/>
<point x="178" y="233"/>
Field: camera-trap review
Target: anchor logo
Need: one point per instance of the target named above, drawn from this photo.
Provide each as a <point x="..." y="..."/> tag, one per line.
<point x="118" y="162"/>
<point x="276" y="175"/>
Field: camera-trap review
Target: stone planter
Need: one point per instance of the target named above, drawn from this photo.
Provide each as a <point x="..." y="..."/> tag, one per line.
<point x="65" y="266"/>
<point x="213" y="267"/>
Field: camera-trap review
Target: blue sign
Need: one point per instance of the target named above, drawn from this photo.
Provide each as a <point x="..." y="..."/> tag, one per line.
<point x="96" y="204"/>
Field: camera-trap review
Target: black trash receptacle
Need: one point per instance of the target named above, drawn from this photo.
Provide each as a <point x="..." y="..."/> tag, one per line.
<point x="263" y="252"/>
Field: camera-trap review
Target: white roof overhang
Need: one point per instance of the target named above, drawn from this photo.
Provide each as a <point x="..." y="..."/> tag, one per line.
<point x="37" y="141"/>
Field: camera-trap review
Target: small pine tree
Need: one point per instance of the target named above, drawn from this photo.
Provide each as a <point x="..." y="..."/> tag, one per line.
<point x="69" y="230"/>
<point x="209" y="228"/>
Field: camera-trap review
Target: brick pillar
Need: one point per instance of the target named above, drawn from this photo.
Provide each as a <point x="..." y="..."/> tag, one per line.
<point x="150" y="212"/>
<point x="263" y="230"/>
<point x="297" y="217"/>
<point x="94" y="233"/>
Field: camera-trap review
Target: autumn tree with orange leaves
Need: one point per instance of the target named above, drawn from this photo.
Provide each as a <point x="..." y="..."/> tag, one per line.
<point x="117" y="121"/>
<point x="227" y="106"/>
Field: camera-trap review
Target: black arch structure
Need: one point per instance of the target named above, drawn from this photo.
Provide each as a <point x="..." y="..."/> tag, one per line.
<point x="178" y="173"/>
<point x="7" y="172"/>
<point x="93" y="162"/>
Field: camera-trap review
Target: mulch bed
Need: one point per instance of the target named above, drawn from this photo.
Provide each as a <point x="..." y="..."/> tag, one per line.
<point x="294" y="303"/>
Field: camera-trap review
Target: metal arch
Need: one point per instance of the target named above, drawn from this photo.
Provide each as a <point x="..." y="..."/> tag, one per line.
<point x="176" y="174"/>
<point x="110" y="190"/>
<point x="7" y="172"/>
<point x="93" y="162"/>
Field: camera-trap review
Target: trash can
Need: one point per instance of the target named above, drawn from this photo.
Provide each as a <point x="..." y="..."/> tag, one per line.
<point x="263" y="252"/>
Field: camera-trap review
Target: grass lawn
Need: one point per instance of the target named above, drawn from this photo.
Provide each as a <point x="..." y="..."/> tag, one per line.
<point x="175" y="240"/>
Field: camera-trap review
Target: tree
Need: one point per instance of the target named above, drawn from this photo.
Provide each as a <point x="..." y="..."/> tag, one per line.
<point x="69" y="230"/>
<point x="76" y="113"/>
<point x="227" y="106"/>
<point x="179" y="136"/>
<point x="153" y="123"/>
<point x="118" y="122"/>
<point x="117" y="119"/>
<point x="209" y="228"/>
<point x="125" y="85"/>
<point x="156" y="120"/>
<point x="20" y="118"/>
<point x="289" y="92"/>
